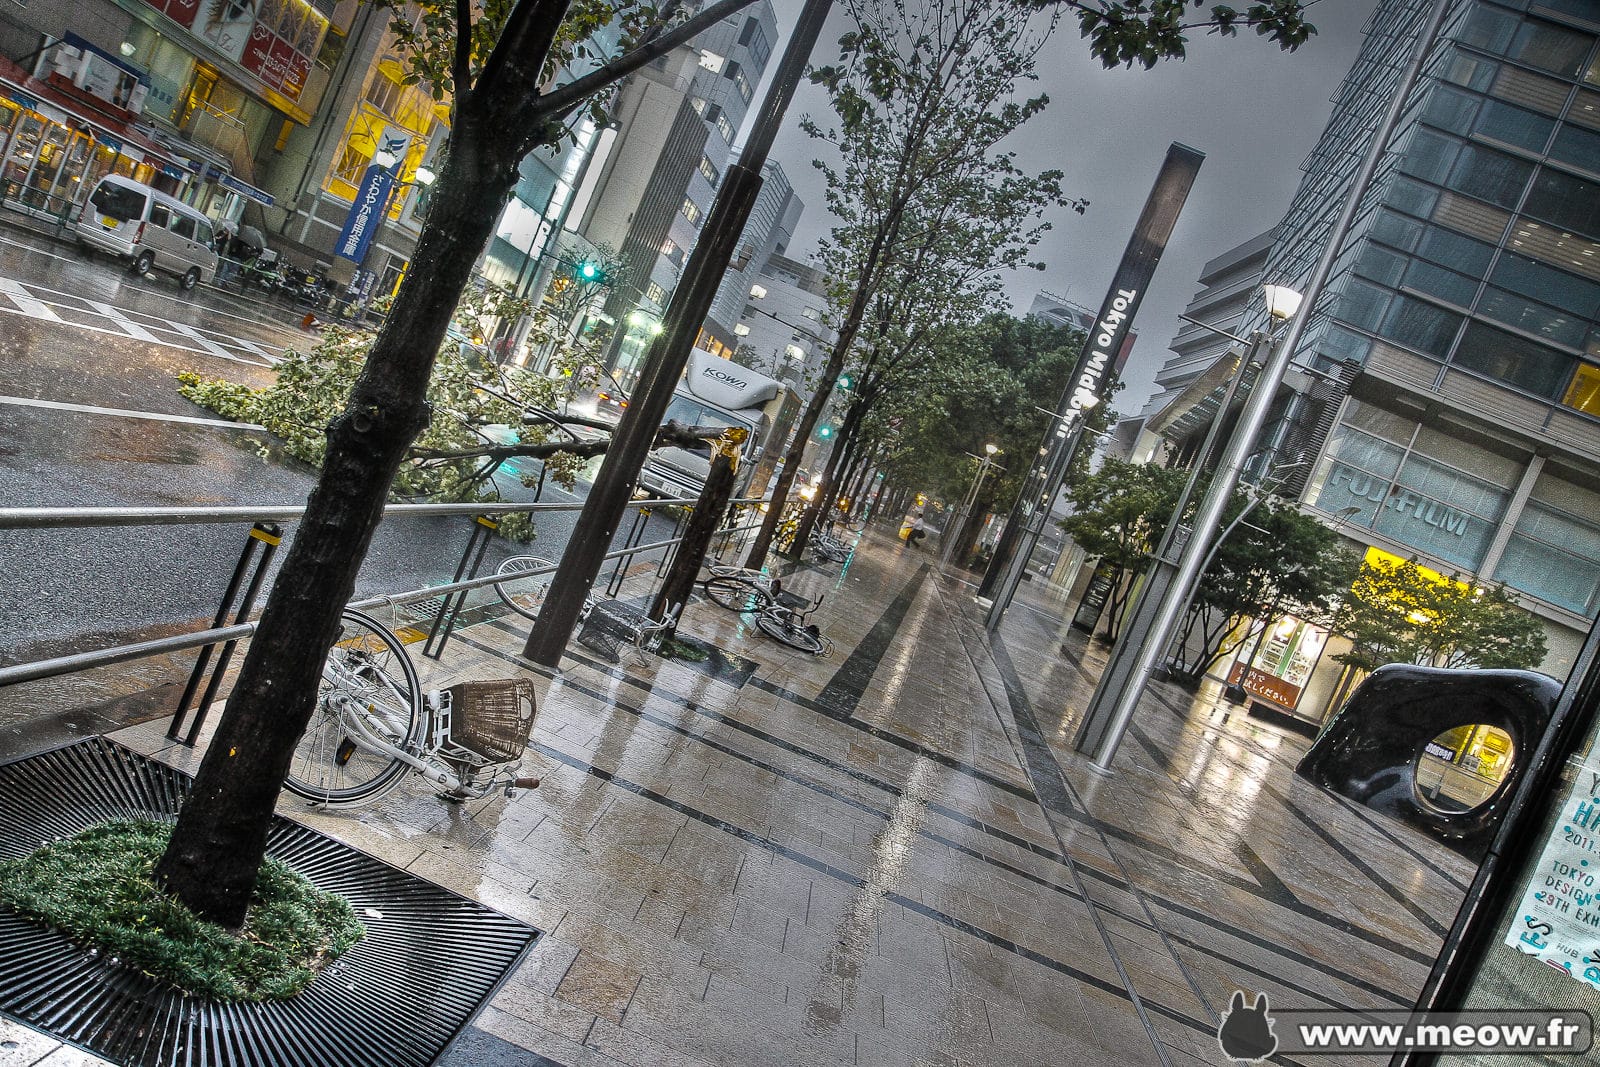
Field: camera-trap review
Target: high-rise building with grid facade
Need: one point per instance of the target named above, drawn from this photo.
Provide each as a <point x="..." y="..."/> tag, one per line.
<point x="1457" y="415"/>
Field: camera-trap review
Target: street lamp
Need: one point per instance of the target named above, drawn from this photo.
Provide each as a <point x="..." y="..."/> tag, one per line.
<point x="1168" y="582"/>
<point x="953" y="529"/>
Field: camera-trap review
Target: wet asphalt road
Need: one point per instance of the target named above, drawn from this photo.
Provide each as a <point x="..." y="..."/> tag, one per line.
<point x="88" y="398"/>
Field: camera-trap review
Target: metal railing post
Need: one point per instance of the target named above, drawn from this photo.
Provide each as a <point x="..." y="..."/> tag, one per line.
<point x="482" y="528"/>
<point x="265" y="538"/>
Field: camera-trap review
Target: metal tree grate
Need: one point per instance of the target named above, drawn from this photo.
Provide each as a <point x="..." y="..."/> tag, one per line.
<point x="431" y="958"/>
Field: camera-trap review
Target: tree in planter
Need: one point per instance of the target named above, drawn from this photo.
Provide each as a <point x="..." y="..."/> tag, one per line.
<point x="922" y="99"/>
<point x="986" y="378"/>
<point x="490" y="72"/>
<point x="1118" y="513"/>
<point x="1278" y="560"/>
<point x="491" y="67"/>
<point x="944" y="276"/>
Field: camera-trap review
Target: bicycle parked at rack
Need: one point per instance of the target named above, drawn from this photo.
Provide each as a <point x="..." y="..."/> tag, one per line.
<point x="786" y="623"/>
<point x="525" y="581"/>
<point x="828" y="546"/>
<point x="740" y="589"/>
<point x="373" y="725"/>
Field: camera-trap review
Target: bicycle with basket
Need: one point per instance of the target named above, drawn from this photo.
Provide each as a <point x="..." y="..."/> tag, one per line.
<point x="373" y="725"/>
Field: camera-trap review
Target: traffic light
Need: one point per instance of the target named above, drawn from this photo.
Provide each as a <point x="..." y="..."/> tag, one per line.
<point x="825" y="431"/>
<point x="591" y="271"/>
<point x="846" y="382"/>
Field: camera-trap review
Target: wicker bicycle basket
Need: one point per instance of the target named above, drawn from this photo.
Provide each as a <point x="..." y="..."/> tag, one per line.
<point x="493" y="718"/>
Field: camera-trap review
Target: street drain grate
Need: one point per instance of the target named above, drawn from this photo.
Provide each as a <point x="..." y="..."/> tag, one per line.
<point x="431" y="958"/>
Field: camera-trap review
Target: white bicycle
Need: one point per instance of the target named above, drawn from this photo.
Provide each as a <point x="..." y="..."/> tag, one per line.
<point x="373" y="725"/>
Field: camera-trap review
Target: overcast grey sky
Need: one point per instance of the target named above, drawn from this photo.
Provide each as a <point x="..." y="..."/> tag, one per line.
<point x="1254" y="110"/>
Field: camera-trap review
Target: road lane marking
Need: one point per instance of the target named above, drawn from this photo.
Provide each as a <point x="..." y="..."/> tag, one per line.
<point x="168" y="344"/>
<point x="26" y="302"/>
<point x="122" y="413"/>
<point x="125" y="324"/>
<point x="204" y="341"/>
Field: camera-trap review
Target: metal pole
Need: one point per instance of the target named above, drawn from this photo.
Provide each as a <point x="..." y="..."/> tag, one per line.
<point x="1100" y="735"/>
<point x="669" y="352"/>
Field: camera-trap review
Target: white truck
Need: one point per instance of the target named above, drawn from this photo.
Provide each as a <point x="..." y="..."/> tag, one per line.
<point x="719" y="392"/>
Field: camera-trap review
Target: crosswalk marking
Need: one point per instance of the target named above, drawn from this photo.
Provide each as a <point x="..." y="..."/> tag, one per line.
<point x="26" y="302"/>
<point x="125" y="324"/>
<point x="22" y="300"/>
<point x="201" y="339"/>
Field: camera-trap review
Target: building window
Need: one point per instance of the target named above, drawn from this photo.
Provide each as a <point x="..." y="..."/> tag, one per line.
<point x="754" y="38"/>
<point x="1411" y="496"/>
<point x="708" y="170"/>
<point x="1514" y="360"/>
<point x="655" y="294"/>
<point x="1554" y="551"/>
<point x="690" y="210"/>
<point x="667" y="247"/>
<point x="384" y="93"/>
<point x="811" y="313"/>
<point x="352" y="165"/>
<point x="741" y="330"/>
<point x="758" y="291"/>
<point x="711" y="60"/>
<point x="794" y="352"/>
<point x="725" y="127"/>
<point x="736" y="74"/>
<point x="698" y="104"/>
<point x="1584" y="392"/>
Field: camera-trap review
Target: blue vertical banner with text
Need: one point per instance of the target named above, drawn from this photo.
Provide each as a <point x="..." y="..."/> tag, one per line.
<point x="365" y="214"/>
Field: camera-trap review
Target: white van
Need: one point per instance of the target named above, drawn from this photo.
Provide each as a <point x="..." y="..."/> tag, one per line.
<point x="149" y="229"/>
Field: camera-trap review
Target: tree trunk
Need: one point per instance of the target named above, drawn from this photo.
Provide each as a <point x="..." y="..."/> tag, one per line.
<point x="220" y="838"/>
<point x="823" y="502"/>
<point x="703" y="522"/>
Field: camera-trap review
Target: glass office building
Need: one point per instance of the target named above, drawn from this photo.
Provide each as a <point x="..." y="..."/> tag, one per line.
<point x="1457" y="415"/>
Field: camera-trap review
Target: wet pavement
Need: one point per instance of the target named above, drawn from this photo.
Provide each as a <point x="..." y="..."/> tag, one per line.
<point x="891" y="855"/>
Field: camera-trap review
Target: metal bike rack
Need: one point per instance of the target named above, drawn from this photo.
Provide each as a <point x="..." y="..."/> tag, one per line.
<point x="264" y="538"/>
<point x="444" y="620"/>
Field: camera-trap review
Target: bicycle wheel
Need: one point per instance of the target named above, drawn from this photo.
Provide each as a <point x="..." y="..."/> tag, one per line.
<point x="736" y="594"/>
<point x="369" y="697"/>
<point x="784" y="630"/>
<point x="524" y="595"/>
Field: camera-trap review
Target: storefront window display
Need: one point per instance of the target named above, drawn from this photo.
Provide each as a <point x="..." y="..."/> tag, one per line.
<point x="1276" y="665"/>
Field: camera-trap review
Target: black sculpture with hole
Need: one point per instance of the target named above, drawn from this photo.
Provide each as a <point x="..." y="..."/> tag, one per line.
<point x="1370" y="748"/>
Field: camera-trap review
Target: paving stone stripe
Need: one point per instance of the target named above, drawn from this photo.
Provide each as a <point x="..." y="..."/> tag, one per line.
<point x="1276" y="892"/>
<point x="840" y="697"/>
<point x="855" y="881"/>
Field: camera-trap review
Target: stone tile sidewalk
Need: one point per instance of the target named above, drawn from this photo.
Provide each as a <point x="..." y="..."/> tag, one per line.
<point x="890" y="855"/>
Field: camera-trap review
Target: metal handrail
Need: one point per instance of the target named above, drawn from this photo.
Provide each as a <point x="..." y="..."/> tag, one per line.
<point x="81" y="661"/>
<point x="40" y="518"/>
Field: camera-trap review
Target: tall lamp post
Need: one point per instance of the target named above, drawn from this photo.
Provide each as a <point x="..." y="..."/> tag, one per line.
<point x="1168" y="582"/>
<point x="990" y="450"/>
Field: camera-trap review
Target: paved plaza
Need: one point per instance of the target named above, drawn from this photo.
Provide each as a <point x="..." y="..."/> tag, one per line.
<point x="889" y="855"/>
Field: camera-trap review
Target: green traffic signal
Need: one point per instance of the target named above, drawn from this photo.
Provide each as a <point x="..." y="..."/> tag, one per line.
<point x="845" y="382"/>
<point x="825" y="431"/>
<point x="591" y="271"/>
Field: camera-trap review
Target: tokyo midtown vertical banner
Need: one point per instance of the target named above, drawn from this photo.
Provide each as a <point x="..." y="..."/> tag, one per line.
<point x="1558" y="920"/>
